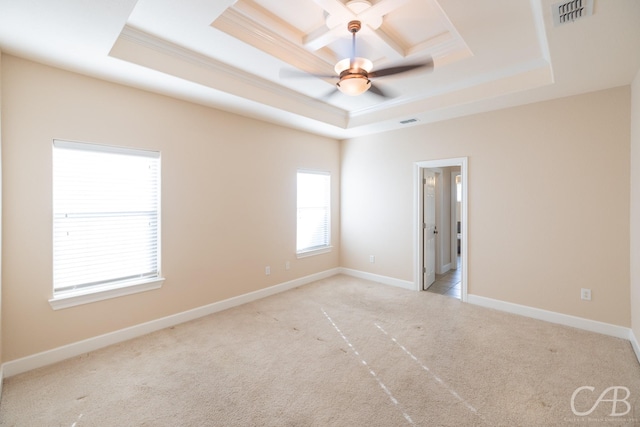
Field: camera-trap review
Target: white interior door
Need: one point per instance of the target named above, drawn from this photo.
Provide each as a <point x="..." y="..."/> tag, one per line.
<point x="429" y="227"/>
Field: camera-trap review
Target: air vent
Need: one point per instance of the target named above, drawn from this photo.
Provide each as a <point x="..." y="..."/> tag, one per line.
<point x="406" y="122"/>
<point x="569" y="11"/>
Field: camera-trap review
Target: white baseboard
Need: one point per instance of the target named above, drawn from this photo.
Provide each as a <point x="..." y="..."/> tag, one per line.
<point x="634" y="343"/>
<point x="385" y="280"/>
<point x="553" y="317"/>
<point x="55" y="355"/>
<point x="444" y="268"/>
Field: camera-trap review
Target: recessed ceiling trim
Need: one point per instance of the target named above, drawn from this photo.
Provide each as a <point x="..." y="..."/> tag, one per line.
<point x="440" y="44"/>
<point x="444" y="18"/>
<point x="538" y="19"/>
<point x="447" y="42"/>
<point x="520" y="77"/>
<point x="209" y="70"/>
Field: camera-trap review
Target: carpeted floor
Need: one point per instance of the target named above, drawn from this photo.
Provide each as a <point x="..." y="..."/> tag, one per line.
<point x="340" y="352"/>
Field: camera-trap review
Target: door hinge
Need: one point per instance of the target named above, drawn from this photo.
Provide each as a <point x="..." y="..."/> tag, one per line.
<point x="424" y="270"/>
<point x="424" y="225"/>
<point x="424" y="181"/>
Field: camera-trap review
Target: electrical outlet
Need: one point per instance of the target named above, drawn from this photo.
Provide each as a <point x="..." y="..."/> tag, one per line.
<point x="267" y="270"/>
<point x="287" y="265"/>
<point x="372" y="259"/>
<point x="585" y="294"/>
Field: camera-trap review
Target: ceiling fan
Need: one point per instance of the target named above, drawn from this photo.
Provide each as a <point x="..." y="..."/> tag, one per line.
<point x="354" y="73"/>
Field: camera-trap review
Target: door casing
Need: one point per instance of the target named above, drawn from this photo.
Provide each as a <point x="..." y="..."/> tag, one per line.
<point x="419" y="214"/>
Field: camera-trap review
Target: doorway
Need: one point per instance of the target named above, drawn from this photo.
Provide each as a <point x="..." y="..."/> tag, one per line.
<point x="441" y="236"/>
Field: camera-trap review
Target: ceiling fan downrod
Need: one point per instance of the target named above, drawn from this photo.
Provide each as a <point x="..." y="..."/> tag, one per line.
<point x="353" y="27"/>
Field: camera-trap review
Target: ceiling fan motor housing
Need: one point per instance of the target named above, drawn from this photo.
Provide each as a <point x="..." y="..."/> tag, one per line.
<point x="354" y="26"/>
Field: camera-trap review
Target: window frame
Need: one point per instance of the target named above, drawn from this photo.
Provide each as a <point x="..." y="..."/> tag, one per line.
<point x="111" y="288"/>
<point x="315" y="250"/>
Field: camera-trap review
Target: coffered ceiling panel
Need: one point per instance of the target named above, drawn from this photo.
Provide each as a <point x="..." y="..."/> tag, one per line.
<point x="392" y="30"/>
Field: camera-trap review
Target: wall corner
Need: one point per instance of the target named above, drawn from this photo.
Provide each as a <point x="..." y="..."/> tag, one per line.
<point x="634" y="226"/>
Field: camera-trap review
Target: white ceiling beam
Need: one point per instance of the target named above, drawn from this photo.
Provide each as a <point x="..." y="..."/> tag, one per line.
<point x="341" y="13"/>
<point x="321" y="37"/>
<point x="381" y="8"/>
<point x="337" y="9"/>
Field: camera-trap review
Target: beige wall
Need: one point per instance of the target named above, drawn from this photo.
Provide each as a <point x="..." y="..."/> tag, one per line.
<point x="1" y="360"/>
<point x="635" y="206"/>
<point x="549" y="206"/>
<point x="228" y="200"/>
<point x="548" y="202"/>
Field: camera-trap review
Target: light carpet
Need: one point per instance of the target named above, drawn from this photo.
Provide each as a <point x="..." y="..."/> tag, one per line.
<point x="340" y="352"/>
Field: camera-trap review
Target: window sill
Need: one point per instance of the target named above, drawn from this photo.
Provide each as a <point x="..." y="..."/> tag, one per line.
<point x="305" y="254"/>
<point x="71" y="299"/>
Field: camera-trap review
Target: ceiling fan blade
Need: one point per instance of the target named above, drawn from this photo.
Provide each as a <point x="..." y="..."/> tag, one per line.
<point x="400" y="69"/>
<point x="288" y="73"/>
<point x="376" y="89"/>
<point x="330" y="94"/>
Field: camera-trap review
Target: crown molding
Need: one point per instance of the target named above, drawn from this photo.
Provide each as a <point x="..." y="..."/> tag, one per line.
<point x="138" y="47"/>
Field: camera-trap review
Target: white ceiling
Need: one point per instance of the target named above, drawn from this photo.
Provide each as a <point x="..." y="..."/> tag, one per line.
<point x="230" y="54"/>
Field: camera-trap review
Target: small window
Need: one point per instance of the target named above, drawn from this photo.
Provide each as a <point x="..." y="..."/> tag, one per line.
<point x="106" y="218"/>
<point x="314" y="213"/>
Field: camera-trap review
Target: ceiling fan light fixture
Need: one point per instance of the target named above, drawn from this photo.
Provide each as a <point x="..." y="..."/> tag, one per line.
<point x="354" y="85"/>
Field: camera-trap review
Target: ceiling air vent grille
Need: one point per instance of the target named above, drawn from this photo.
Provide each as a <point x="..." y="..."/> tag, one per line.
<point x="569" y="11"/>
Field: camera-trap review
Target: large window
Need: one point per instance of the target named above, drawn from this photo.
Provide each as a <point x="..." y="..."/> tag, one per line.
<point x="106" y="218"/>
<point x="314" y="212"/>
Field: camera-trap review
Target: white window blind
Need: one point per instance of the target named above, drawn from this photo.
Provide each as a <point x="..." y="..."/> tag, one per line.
<point x="106" y="216"/>
<point x="314" y="213"/>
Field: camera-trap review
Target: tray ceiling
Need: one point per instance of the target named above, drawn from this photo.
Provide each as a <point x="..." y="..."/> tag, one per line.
<point x="236" y="54"/>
